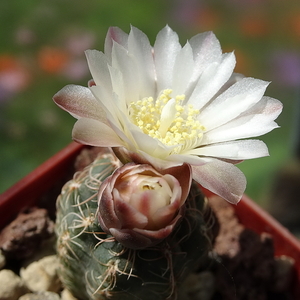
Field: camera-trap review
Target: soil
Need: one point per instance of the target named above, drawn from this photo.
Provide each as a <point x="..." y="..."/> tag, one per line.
<point x="242" y="265"/>
<point x="245" y="266"/>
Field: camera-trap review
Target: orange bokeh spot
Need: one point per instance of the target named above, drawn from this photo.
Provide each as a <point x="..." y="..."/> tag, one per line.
<point x="253" y="26"/>
<point x="242" y="61"/>
<point x="208" y="19"/>
<point x="8" y="62"/>
<point x="52" y="60"/>
<point x="294" y="22"/>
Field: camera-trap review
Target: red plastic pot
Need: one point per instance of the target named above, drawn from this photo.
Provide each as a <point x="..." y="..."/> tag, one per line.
<point x="27" y="191"/>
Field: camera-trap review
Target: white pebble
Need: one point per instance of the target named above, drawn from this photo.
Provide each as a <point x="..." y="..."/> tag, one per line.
<point x="40" y="296"/>
<point x="11" y="285"/>
<point x="66" y="295"/>
<point x="42" y="275"/>
<point x="2" y="260"/>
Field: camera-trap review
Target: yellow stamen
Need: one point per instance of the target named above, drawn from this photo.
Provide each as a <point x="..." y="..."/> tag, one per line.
<point x="176" y="125"/>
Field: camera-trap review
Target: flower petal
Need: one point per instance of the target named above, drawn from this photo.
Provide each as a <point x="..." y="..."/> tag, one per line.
<point x="114" y="34"/>
<point x="211" y="80"/>
<point x="118" y="88"/>
<point x="108" y="217"/>
<point x="79" y="102"/>
<point x="106" y="100"/>
<point x="183" y="174"/>
<point x="222" y="178"/>
<point x="98" y="65"/>
<point x="206" y="50"/>
<point x="158" y="235"/>
<point x="166" y="48"/>
<point x="159" y="162"/>
<point x="148" y="144"/>
<point x="236" y="150"/>
<point x="254" y="122"/>
<point x="127" y="214"/>
<point x="95" y="133"/>
<point x="163" y="216"/>
<point x="139" y="47"/>
<point x="234" y="78"/>
<point x="127" y="67"/>
<point x="183" y="70"/>
<point x="234" y="101"/>
<point x="116" y="118"/>
<point x="186" y="158"/>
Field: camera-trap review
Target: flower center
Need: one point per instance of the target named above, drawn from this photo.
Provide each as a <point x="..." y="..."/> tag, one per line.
<point x="167" y="119"/>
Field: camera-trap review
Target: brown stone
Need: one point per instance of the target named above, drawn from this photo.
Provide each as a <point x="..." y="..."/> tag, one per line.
<point x="21" y="238"/>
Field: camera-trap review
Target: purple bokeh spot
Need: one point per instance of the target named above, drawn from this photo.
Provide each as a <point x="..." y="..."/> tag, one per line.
<point x="286" y="68"/>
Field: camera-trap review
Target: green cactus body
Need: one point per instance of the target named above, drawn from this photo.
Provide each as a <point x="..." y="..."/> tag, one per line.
<point x="95" y="266"/>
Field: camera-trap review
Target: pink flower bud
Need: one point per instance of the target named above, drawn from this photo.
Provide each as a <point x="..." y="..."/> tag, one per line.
<point x="140" y="206"/>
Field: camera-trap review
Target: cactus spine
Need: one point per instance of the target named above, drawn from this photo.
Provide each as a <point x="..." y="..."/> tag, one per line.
<point x="94" y="266"/>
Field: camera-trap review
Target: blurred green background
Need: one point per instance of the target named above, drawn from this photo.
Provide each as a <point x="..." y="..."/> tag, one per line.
<point x="41" y="50"/>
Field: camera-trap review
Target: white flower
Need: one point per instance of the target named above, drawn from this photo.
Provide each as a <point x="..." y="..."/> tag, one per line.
<point x="167" y="104"/>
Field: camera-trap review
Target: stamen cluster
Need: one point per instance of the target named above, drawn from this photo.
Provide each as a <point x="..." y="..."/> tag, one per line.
<point x="167" y="119"/>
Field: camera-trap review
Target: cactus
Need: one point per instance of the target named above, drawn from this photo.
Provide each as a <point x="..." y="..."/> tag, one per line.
<point x="95" y="266"/>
